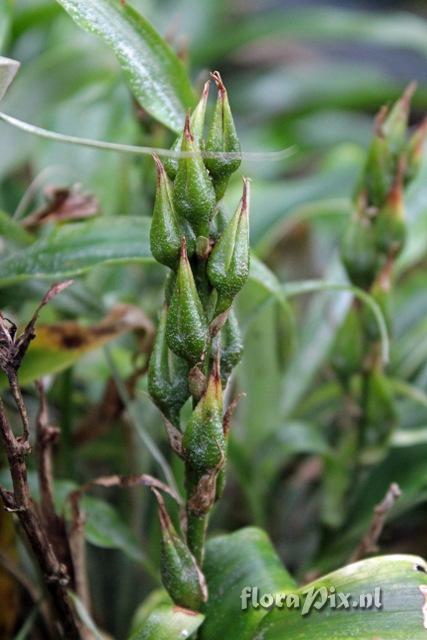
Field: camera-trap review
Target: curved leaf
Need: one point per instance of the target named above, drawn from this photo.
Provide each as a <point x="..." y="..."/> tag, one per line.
<point x="401" y="616"/>
<point x="159" y="619"/>
<point x="73" y="249"/>
<point x="157" y="77"/>
<point x="234" y="561"/>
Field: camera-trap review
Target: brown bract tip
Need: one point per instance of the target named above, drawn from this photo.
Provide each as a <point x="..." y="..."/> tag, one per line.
<point x="380" y="119"/>
<point x="165" y="521"/>
<point x="205" y="92"/>
<point x="420" y="136"/>
<point x="159" y="166"/>
<point x="184" y="248"/>
<point x="246" y="195"/>
<point x="216" y="76"/>
<point x="395" y="196"/>
<point x="408" y="94"/>
<point x="187" y="127"/>
<point x="216" y="370"/>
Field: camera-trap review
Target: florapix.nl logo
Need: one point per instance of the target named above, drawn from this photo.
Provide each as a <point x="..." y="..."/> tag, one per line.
<point x="310" y="599"/>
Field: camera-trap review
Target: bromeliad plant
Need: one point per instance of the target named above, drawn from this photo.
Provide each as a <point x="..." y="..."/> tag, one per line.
<point x="198" y="341"/>
<point x="212" y="588"/>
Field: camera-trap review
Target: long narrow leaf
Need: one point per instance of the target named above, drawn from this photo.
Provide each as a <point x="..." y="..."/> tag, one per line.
<point x="156" y="75"/>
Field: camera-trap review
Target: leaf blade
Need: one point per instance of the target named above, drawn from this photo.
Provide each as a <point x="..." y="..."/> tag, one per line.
<point x="74" y="249"/>
<point x="400" y="617"/>
<point x="155" y="74"/>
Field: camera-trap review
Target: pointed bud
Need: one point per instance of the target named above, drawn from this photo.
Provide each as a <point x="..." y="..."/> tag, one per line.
<point x="231" y="345"/>
<point x="390" y="228"/>
<point x="228" y="264"/>
<point x="415" y="152"/>
<point x="358" y="251"/>
<point x="349" y="349"/>
<point x="396" y="124"/>
<point x="167" y="376"/>
<point x="203" y="441"/>
<point x="222" y="137"/>
<point x="186" y="324"/>
<point x="193" y="192"/>
<point x="197" y="122"/>
<point x="378" y="173"/>
<point x="380" y="416"/>
<point x="165" y="232"/>
<point x="181" y="576"/>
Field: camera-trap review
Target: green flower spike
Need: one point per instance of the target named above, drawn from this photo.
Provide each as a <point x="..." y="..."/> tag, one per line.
<point x="222" y="137"/>
<point x="193" y="194"/>
<point x="181" y="576"/>
<point x="167" y="376"/>
<point x="186" y="324"/>
<point x="203" y="442"/>
<point x="165" y="232"/>
<point x="197" y="122"/>
<point x="228" y="264"/>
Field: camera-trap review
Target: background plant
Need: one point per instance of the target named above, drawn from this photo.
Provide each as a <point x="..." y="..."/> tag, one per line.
<point x="290" y="462"/>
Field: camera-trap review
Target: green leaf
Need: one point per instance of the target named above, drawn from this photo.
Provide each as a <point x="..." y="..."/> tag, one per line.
<point x="322" y="24"/>
<point x="157" y="77"/>
<point x="105" y="528"/>
<point x="401" y="616"/>
<point x="234" y="561"/>
<point x="12" y="230"/>
<point x="315" y="341"/>
<point x="159" y="619"/>
<point x="73" y="249"/>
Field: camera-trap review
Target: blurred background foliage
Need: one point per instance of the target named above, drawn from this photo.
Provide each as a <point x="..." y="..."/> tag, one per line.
<point x="305" y="75"/>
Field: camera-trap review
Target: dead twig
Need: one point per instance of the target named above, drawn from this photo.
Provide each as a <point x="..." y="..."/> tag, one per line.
<point x="46" y="437"/>
<point x="369" y="542"/>
<point x="56" y="575"/>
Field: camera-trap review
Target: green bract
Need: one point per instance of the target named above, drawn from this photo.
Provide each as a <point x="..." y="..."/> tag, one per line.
<point x="186" y="325"/>
<point x="203" y="440"/>
<point x="193" y="193"/>
<point x="197" y="122"/>
<point x="166" y="232"/>
<point x="222" y="137"/>
<point x="228" y="264"/>
<point x="358" y="251"/>
<point x="181" y="576"/>
<point x="167" y="376"/>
